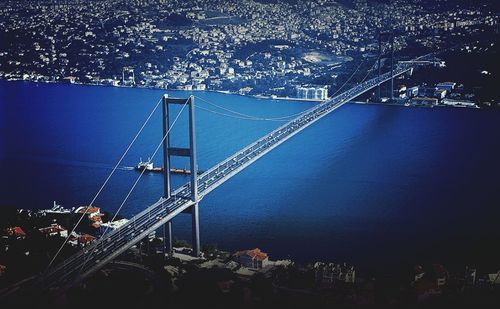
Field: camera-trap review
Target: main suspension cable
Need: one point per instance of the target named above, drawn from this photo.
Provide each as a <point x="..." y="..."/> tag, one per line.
<point x="104" y="184"/>
<point x="348" y="80"/>
<point x="237" y="117"/>
<point x="242" y="115"/>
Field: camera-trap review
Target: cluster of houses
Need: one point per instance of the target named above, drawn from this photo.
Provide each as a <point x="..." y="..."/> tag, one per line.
<point x="50" y="224"/>
<point x="55" y="229"/>
<point x="93" y="214"/>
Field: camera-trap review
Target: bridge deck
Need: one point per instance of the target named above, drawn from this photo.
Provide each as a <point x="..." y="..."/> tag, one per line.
<point x="141" y="225"/>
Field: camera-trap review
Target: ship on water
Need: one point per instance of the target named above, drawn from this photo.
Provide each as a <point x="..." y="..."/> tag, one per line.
<point x="148" y="166"/>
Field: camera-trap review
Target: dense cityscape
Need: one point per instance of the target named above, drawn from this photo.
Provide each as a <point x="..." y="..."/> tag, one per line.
<point x="246" y="47"/>
<point x="435" y="54"/>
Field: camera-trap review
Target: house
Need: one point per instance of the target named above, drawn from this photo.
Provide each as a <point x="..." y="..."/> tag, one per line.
<point x="94" y="214"/>
<point x="91" y="211"/>
<point x="16" y="232"/>
<point x="251" y="258"/>
<point x="54" y="230"/>
<point x="112" y="225"/>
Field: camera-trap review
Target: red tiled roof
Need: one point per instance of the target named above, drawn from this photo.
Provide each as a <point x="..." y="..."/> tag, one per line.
<point x="90" y="210"/>
<point x="15" y="231"/>
<point x="255" y="254"/>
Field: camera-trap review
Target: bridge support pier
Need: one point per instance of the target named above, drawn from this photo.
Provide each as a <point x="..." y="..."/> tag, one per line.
<point x="196" y="230"/>
<point x="167" y="237"/>
<point x="390" y="39"/>
<point x="392" y="66"/>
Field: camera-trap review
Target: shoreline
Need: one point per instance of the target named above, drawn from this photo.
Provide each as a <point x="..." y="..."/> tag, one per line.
<point x="256" y="96"/>
<point x="413" y="106"/>
<point x="31" y="219"/>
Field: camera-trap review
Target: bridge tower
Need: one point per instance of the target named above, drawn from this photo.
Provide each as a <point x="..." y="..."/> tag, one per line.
<point x="190" y="152"/>
<point x="389" y="37"/>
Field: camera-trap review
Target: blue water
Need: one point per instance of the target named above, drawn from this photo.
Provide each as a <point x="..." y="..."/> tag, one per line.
<point x="374" y="186"/>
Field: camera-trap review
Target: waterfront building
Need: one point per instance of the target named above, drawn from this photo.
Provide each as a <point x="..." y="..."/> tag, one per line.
<point x="90" y="211"/>
<point x="312" y="92"/>
<point x="254" y="258"/>
<point x="93" y="213"/>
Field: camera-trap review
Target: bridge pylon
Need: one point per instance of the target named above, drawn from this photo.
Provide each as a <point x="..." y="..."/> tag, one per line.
<point x="190" y="152"/>
<point x="389" y="37"/>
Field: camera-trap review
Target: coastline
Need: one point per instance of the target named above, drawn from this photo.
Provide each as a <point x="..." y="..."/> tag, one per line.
<point x="414" y="106"/>
<point x="256" y="96"/>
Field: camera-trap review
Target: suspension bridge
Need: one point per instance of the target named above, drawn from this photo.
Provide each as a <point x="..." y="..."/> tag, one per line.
<point x="110" y="245"/>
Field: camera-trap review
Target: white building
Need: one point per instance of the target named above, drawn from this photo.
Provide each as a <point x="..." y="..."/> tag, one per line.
<point x="113" y="225"/>
<point x="319" y="93"/>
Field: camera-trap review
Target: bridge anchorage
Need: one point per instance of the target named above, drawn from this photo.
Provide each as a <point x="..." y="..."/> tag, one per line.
<point x="169" y="151"/>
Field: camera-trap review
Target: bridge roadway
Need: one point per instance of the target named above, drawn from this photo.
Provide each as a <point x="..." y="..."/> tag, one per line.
<point x="108" y="247"/>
